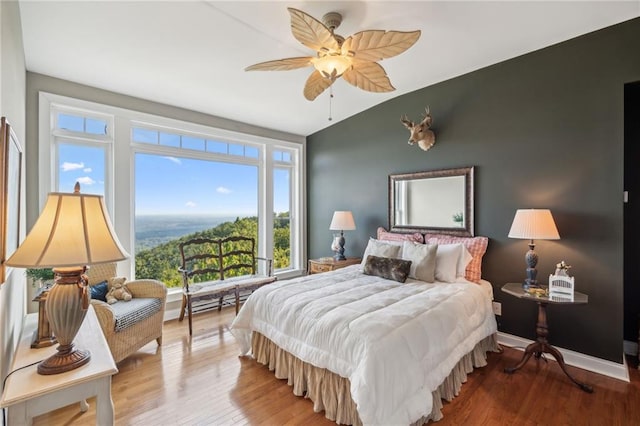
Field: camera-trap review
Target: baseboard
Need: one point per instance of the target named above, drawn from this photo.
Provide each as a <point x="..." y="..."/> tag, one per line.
<point x="630" y="348"/>
<point x="576" y="359"/>
<point x="171" y="314"/>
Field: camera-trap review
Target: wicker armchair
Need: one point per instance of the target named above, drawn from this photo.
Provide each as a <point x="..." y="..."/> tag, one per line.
<point x="124" y="329"/>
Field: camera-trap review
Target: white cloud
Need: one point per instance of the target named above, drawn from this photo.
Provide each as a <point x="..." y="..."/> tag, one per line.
<point x="71" y="166"/>
<point x="223" y="190"/>
<point x="86" y="180"/>
<point x="174" y="159"/>
<point x="190" y="204"/>
<point x="87" y="170"/>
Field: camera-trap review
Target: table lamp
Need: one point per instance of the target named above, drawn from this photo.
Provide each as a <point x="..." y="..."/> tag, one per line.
<point x="341" y="221"/>
<point x="73" y="230"/>
<point x="533" y="224"/>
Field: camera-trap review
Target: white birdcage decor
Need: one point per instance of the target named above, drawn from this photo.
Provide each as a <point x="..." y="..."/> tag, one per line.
<point x="561" y="287"/>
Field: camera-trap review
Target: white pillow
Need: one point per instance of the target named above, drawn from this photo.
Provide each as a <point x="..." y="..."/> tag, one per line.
<point x="382" y="249"/>
<point x="447" y="259"/>
<point x="423" y="260"/>
<point x="449" y="255"/>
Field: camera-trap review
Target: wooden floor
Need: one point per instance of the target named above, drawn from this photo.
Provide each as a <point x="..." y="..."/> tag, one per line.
<point x="202" y="381"/>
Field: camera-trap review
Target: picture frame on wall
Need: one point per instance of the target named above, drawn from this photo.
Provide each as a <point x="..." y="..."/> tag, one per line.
<point x="10" y="184"/>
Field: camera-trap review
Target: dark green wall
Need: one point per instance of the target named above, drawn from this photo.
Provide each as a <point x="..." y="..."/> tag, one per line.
<point x="544" y="130"/>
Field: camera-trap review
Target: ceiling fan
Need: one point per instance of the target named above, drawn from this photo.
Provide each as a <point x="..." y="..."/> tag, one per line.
<point x="353" y="59"/>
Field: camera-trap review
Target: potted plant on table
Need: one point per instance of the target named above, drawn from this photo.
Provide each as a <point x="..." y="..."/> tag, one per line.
<point x="40" y="277"/>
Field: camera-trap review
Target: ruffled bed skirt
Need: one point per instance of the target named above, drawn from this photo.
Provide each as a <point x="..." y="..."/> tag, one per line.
<point x="331" y="392"/>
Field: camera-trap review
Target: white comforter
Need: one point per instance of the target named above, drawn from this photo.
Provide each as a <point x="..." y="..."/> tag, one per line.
<point x="395" y="342"/>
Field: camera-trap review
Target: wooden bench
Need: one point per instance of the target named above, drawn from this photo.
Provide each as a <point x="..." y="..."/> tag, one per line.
<point x="213" y="269"/>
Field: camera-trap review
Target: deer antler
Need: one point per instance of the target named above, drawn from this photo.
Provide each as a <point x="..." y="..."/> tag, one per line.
<point x="427" y="118"/>
<point x="407" y="123"/>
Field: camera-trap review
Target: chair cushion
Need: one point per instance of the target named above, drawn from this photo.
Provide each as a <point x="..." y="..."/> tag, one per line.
<point x="246" y="281"/>
<point x="134" y="311"/>
<point x="210" y="287"/>
<point x="99" y="291"/>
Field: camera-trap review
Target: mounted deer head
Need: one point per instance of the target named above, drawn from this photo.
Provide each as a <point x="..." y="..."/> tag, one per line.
<point x="420" y="133"/>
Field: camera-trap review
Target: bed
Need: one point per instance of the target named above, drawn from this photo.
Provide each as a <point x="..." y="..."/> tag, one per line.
<point x="370" y="350"/>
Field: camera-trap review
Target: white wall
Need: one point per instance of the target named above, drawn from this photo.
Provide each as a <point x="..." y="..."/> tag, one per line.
<point x="13" y="107"/>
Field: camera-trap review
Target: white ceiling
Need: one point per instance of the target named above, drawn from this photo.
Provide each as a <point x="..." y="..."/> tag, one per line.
<point x="192" y="54"/>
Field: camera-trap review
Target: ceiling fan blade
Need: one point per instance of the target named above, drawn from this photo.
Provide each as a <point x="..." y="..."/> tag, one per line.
<point x="375" y="45"/>
<point x="368" y="76"/>
<point x="315" y="85"/>
<point x="281" y="64"/>
<point x="311" y="32"/>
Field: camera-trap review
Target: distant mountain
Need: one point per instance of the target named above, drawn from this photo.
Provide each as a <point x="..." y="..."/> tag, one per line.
<point x="154" y="230"/>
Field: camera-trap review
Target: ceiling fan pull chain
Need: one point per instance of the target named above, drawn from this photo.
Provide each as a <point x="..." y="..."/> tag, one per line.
<point x="330" y="98"/>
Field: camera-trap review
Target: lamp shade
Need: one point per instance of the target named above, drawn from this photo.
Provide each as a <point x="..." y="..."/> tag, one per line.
<point x="342" y="221"/>
<point x="534" y="224"/>
<point x="73" y="229"/>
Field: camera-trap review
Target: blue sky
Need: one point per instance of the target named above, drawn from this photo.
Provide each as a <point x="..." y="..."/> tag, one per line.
<point x="186" y="186"/>
<point x="81" y="164"/>
<point x="171" y="185"/>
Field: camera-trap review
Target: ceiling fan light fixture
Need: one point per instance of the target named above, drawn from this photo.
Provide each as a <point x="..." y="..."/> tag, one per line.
<point x="329" y="64"/>
<point x="336" y="56"/>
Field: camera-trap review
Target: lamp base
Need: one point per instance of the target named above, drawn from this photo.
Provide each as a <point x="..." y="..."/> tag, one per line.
<point x="66" y="307"/>
<point x="340" y="253"/>
<point x="527" y="284"/>
<point x="66" y="359"/>
<point x="531" y="259"/>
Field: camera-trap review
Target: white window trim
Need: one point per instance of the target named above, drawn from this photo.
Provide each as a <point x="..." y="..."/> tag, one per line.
<point x="122" y="183"/>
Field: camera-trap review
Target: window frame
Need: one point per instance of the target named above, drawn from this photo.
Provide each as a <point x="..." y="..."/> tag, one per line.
<point x="48" y="159"/>
<point x="121" y="157"/>
<point x="293" y="203"/>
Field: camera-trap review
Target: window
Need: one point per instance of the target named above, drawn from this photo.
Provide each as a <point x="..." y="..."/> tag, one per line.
<point x="282" y="205"/>
<point x="191" y="142"/>
<point x="83" y="164"/>
<point x="209" y="198"/>
<point x="82" y="144"/>
<point x="73" y="122"/>
<point x="165" y="179"/>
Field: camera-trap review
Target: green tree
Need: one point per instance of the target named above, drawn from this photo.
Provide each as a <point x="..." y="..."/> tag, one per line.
<point x="162" y="262"/>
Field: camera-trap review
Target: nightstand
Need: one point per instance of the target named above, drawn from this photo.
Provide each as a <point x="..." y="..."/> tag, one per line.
<point x="326" y="264"/>
<point x="541" y="345"/>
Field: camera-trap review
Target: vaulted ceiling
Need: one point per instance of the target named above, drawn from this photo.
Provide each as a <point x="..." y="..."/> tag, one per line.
<point x="192" y="54"/>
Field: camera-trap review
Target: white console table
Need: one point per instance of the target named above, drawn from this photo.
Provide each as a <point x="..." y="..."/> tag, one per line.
<point x="28" y="394"/>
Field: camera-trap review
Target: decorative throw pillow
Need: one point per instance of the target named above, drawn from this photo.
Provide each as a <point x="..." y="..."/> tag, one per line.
<point x="382" y="249"/>
<point x="423" y="260"/>
<point x="99" y="291"/>
<point x="385" y="235"/>
<point x="388" y="268"/>
<point x="477" y="246"/>
<point x="463" y="260"/>
<point x="447" y="258"/>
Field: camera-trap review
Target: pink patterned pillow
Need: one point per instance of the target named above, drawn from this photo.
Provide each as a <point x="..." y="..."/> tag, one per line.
<point x="384" y="235"/>
<point x="477" y="246"/>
